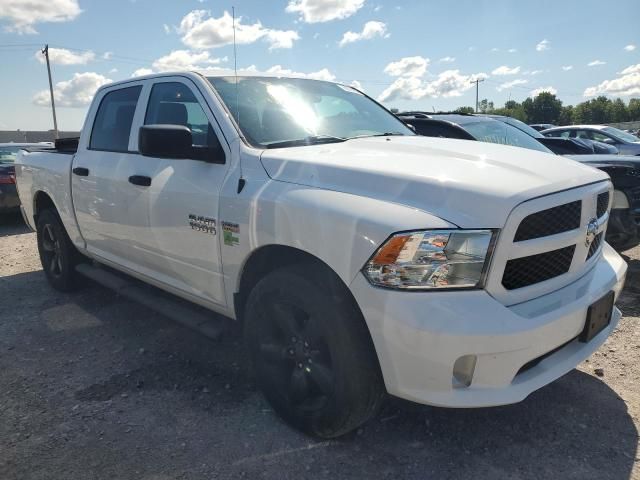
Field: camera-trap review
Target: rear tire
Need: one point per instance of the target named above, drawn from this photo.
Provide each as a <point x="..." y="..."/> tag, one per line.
<point x="311" y="351"/>
<point x="57" y="254"/>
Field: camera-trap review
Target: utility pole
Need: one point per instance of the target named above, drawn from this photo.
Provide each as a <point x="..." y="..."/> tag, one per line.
<point x="45" y="52"/>
<point x="477" y="82"/>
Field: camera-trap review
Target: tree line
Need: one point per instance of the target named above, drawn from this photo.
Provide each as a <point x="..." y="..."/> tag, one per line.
<point x="547" y="108"/>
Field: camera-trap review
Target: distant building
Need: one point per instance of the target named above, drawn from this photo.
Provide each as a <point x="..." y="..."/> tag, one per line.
<point x="26" y="136"/>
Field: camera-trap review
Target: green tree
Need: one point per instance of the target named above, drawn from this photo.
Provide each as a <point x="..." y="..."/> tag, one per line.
<point x="464" y="110"/>
<point x="543" y="108"/>
<point x="485" y="106"/>
<point x="566" y="115"/>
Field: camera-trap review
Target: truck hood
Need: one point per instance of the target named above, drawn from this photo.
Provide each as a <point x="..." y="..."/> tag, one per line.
<point x="469" y="184"/>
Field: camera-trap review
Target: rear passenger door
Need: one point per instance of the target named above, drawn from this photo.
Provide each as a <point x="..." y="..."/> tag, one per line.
<point x="112" y="214"/>
<point x="184" y="234"/>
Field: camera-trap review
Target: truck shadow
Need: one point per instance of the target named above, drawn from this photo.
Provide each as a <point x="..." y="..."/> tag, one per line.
<point x="100" y="353"/>
<point x="12" y="224"/>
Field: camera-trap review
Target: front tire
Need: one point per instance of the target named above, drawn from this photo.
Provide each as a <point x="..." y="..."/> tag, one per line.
<point x="311" y="351"/>
<point x="57" y="254"/>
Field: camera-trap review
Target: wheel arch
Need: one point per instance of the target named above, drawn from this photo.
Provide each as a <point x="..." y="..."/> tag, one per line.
<point x="264" y="260"/>
<point x="42" y="201"/>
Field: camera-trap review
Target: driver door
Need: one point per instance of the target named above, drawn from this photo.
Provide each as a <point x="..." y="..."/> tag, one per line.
<point x="183" y="240"/>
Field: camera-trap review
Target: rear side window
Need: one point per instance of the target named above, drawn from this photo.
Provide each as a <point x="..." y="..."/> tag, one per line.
<point x="112" y="126"/>
<point x="173" y="103"/>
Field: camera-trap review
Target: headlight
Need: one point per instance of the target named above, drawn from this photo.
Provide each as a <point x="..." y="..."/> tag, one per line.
<point x="432" y="259"/>
<point x="620" y="200"/>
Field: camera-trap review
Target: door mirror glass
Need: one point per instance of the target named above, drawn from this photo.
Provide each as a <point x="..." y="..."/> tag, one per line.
<point x="165" y="141"/>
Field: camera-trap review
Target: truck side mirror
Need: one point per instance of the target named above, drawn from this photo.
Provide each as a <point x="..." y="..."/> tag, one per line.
<point x="165" y="141"/>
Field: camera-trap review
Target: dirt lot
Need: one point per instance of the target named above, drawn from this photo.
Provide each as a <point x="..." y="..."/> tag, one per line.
<point x="94" y="386"/>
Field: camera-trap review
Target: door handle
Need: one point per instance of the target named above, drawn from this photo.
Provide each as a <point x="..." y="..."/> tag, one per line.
<point x="81" y="171"/>
<point x="141" y="180"/>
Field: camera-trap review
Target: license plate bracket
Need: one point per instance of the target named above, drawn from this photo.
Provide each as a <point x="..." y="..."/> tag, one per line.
<point x="598" y="317"/>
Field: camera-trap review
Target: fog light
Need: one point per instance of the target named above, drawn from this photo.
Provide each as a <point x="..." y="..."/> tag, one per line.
<point x="463" y="371"/>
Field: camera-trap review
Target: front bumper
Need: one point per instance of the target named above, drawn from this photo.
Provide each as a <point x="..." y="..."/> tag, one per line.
<point x="418" y="337"/>
<point x="9" y="200"/>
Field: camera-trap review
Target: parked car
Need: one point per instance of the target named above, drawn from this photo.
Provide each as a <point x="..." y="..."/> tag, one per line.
<point x="541" y="126"/>
<point x="358" y="256"/>
<point x="559" y="145"/>
<point x="9" y="201"/>
<point x="623" y="230"/>
<point x="626" y="143"/>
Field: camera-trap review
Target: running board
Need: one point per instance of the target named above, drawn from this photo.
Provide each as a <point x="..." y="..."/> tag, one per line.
<point x="188" y="314"/>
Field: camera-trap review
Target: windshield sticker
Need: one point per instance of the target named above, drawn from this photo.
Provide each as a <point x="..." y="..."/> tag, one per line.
<point x="231" y="233"/>
<point x="202" y="224"/>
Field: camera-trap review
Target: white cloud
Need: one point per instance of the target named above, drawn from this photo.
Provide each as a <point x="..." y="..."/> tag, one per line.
<point x="62" y="56"/>
<point x="408" y="66"/>
<point x="323" y="74"/>
<point x="166" y="28"/>
<point x="107" y="55"/>
<point x="630" y="48"/>
<point x="76" y="92"/>
<point x="22" y="16"/>
<point x="566" y="68"/>
<point x="535" y="72"/>
<point x="495" y="49"/>
<point x="370" y="30"/>
<point x="142" y="71"/>
<point x="447" y="59"/>
<point x="628" y="83"/>
<point x="512" y="50"/>
<point x="377" y="8"/>
<point x="450" y="83"/>
<point x="631" y="69"/>
<point x="185" y="60"/>
<point x="409" y="88"/>
<point x="539" y="90"/>
<point x="543" y="45"/>
<point x="201" y="31"/>
<point x="511" y="84"/>
<point x="316" y="11"/>
<point x="596" y="63"/>
<point x="356" y="84"/>
<point x="504" y="70"/>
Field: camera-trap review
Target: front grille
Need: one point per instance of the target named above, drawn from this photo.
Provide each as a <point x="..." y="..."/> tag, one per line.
<point x="593" y="248"/>
<point x="603" y="204"/>
<point x="525" y="271"/>
<point x="550" y="221"/>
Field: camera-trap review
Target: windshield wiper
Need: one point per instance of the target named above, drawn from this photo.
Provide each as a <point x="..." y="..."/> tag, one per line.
<point x="310" y="140"/>
<point x="386" y="134"/>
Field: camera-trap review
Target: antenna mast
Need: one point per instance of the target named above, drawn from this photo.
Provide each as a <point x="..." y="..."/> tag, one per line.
<point x="241" y="180"/>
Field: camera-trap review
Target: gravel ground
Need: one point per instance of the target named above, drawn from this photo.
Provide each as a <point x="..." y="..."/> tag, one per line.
<point x="94" y="386"/>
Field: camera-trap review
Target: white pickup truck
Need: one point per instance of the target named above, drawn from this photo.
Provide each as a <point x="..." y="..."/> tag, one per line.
<point x="360" y="258"/>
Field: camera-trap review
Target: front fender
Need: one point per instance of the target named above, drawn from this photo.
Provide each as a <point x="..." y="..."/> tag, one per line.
<point x="341" y="229"/>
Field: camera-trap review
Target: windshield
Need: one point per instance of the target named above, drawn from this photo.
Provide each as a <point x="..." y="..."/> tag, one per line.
<point x="282" y="111"/>
<point x="8" y="154"/>
<point x="522" y="126"/>
<point x="503" y="133"/>
<point x="627" y="137"/>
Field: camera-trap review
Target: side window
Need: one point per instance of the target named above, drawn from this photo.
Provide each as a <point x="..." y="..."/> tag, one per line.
<point x="173" y="103"/>
<point x="112" y="125"/>
<point x="599" y="137"/>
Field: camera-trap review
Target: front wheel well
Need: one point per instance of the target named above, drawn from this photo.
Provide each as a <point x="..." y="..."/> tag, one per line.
<point x="264" y="260"/>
